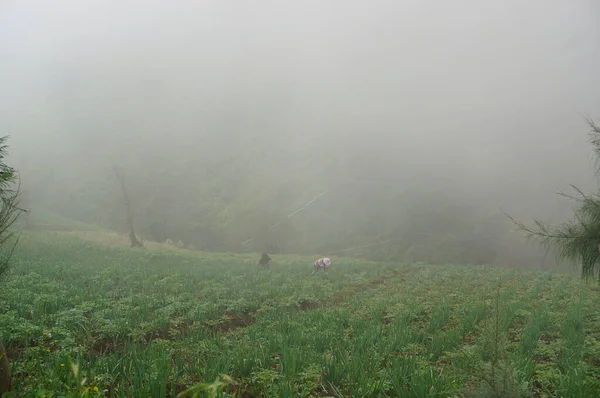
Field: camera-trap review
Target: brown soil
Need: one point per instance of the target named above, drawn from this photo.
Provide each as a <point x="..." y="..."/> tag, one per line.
<point x="235" y="321"/>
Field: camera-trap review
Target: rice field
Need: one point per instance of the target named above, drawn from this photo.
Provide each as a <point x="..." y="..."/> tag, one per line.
<point x="80" y="318"/>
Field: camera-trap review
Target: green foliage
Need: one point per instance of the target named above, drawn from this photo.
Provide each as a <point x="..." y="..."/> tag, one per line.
<point x="7" y="174"/>
<point x="577" y="240"/>
<point x="9" y="207"/>
<point x="150" y="323"/>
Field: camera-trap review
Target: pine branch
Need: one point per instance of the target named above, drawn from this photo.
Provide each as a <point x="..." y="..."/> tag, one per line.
<point x="582" y="196"/>
<point x="543" y="230"/>
<point x="594" y="139"/>
<point x="578" y="239"/>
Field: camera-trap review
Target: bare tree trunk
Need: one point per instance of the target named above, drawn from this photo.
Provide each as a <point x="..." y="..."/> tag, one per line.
<point x="134" y="240"/>
<point x="5" y="377"/>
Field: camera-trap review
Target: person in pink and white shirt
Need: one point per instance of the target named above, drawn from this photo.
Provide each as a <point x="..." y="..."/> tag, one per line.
<point x="322" y="264"/>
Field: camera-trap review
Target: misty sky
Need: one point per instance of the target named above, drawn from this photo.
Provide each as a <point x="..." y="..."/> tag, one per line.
<point x="482" y="88"/>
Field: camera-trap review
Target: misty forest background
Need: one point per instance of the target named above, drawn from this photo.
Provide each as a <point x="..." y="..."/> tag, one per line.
<point x="224" y="121"/>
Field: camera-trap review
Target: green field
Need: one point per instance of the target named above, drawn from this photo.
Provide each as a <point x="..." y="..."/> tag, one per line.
<point x="82" y="317"/>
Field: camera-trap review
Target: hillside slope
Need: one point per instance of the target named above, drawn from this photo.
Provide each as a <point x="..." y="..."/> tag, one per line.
<point x="154" y="322"/>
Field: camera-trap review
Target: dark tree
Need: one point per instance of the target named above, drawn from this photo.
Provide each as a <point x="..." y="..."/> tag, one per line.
<point x="577" y="240"/>
<point x="134" y="240"/>
<point x="9" y="213"/>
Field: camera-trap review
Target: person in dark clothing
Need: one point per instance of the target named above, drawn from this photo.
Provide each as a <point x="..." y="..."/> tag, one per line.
<point x="264" y="260"/>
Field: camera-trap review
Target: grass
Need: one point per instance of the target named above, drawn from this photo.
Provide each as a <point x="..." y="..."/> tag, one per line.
<point x="81" y="315"/>
<point x="46" y="220"/>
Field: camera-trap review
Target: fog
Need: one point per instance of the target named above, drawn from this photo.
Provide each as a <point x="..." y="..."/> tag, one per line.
<point x="228" y="116"/>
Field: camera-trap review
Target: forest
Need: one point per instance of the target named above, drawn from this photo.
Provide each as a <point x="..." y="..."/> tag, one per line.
<point x="219" y="144"/>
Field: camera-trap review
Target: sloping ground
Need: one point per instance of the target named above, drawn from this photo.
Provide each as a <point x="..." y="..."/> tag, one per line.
<point x="154" y="321"/>
<point x="49" y="221"/>
<point x="109" y="238"/>
<point x="53" y="223"/>
<point x="41" y="220"/>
